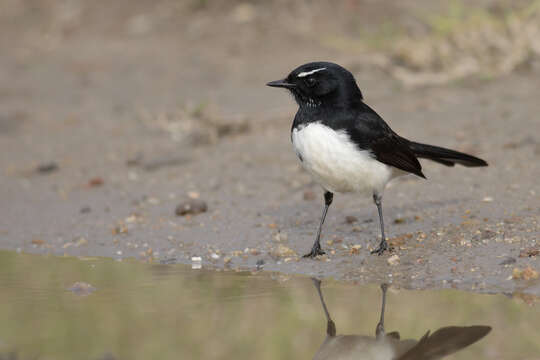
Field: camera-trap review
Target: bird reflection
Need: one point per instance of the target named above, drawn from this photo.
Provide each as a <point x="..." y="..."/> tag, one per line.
<point x="389" y="346"/>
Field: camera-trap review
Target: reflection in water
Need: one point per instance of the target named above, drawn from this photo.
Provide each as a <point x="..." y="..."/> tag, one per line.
<point x="387" y="346"/>
<point x="135" y="311"/>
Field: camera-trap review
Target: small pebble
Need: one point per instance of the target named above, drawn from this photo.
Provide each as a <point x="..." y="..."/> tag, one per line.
<point x="38" y="242"/>
<point x="508" y="260"/>
<point x="283" y="251"/>
<point x="191" y="207"/>
<point x="47" y="168"/>
<point x="349" y="219"/>
<point x="393" y="260"/>
<point x="194" y="195"/>
<point x="85" y="210"/>
<point x="355" y="249"/>
<point x="196" y="262"/>
<point x="95" y="182"/>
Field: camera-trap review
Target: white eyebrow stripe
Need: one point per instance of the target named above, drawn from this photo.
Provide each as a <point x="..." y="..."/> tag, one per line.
<point x="306" y="73"/>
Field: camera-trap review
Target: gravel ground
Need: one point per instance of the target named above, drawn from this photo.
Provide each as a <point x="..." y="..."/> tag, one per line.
<point x="102" y="137"/>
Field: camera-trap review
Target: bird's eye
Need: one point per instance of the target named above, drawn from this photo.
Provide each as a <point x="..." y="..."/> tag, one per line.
<point x="310" y="81"/>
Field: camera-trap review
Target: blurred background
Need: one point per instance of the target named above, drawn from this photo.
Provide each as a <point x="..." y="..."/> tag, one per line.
<point x="131" y="59"/>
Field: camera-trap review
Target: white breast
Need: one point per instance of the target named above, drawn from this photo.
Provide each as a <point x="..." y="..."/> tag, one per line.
<point x="336" y="163"/>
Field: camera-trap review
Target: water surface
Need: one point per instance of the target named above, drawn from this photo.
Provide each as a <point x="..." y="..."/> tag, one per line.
<point x="143" y="311"/>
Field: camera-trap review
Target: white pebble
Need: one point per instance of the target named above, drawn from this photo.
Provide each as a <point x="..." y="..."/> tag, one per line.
<point x="393" y="260"/>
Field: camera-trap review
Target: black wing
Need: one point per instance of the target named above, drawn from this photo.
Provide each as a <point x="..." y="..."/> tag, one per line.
<point x="369" y="131"/>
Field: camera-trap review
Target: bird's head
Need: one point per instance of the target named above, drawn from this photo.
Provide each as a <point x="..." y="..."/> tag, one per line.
<point x="320" y="83"/>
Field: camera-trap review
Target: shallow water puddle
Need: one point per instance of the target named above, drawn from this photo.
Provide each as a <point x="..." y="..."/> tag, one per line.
<point x="94" y="308"/>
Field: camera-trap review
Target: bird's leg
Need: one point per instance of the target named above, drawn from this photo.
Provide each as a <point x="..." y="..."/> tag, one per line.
<point x="316" y="249"/>
<point x="383" y="245"/>
<point x="379" y="331"/>
<point x="330" y="326"/>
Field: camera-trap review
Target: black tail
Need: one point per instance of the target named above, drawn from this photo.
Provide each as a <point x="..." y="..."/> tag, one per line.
<point x="444" y="156"/>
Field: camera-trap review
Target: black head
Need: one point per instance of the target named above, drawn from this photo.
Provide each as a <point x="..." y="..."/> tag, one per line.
<point x="321" y="83"/>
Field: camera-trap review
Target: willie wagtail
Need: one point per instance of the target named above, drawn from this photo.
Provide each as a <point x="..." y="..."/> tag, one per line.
<point x="346" y="145"/>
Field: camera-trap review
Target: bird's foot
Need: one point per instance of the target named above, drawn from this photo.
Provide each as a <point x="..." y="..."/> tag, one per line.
<point x="315" y="251"/>
<point x="383" y="246"/>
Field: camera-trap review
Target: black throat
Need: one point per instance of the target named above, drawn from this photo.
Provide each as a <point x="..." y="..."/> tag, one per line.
<point x="329" y="112"/>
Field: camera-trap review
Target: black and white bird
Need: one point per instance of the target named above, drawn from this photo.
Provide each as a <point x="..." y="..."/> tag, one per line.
<point x="346" y="145"/>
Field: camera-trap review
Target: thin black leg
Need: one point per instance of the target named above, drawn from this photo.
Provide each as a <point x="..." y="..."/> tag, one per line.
<point x="383" y="245"/>
<point x="379" y="331"/>
<point x="316" y="249"/>
<point x="330" y="326"/>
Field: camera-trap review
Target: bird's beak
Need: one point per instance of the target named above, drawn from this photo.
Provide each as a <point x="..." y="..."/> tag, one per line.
<point x="281" y="83"/>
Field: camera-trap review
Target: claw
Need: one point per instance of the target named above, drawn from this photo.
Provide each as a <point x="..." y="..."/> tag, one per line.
<point x="382" y="248"/>
<point x="379" y="251"/>
<point x="316" y="251"/>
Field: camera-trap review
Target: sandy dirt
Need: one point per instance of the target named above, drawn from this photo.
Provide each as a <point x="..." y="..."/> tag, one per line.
<point x="130" y="113"/>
